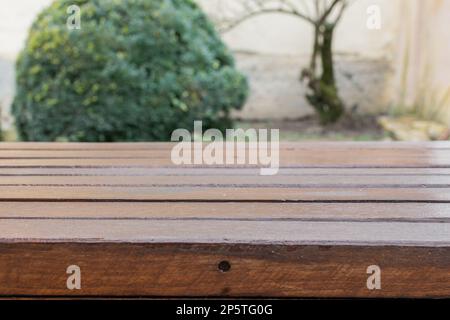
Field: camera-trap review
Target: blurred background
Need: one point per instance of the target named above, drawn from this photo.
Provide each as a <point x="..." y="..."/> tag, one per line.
<point x="391" y="69"/>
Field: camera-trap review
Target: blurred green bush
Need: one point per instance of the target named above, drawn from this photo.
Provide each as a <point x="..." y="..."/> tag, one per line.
<point x="135" y="71"/>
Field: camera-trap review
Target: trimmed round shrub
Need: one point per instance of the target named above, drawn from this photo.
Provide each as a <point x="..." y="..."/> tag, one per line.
<point x="135" y="71"/>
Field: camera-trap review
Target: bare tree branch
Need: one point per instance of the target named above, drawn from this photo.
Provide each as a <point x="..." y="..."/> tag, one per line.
<point x="328" y="11"/>
<point x="340" y="13"/>
<point x="260" y="7"/>
<point x="254" y="8"/>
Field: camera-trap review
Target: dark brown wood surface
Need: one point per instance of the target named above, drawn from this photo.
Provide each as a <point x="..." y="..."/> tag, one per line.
<point x="137" y="225"/>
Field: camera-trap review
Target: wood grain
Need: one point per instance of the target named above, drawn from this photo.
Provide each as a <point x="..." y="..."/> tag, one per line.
<point x="137" y="225"/>
<point x="256" y="231"/>
<point x="189" y="270"/>
<point x="223" y="193"/>
<point x="318" y="211"/>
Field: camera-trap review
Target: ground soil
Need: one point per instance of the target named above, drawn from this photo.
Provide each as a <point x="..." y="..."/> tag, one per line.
<point x="349" y="128"/>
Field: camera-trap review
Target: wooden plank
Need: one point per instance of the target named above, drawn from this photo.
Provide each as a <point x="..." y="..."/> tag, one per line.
<point x="342" y="161"/>
<point x="165" y="153"/>
<point x="227" y="231"/>
<point x="298" y="181"/>
<point x="362" y="212"/>
<point x="124" y="270"/>
<point x="329" y="159"/>
<point x="307" y="145"/>
<point x="223" y="193"/>
<point x="402" y="173"/>
<point x="296" y="156"/>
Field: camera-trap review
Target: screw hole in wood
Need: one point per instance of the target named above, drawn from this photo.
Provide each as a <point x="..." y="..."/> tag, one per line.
<point x="224" y="266"/>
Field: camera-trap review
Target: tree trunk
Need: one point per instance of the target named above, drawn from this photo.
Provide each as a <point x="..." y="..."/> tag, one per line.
<point x="327" y="56"/>
<point x="324" y="95"/>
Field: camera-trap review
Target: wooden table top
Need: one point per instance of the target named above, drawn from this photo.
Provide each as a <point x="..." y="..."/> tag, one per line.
<point x="138" y="225"/>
